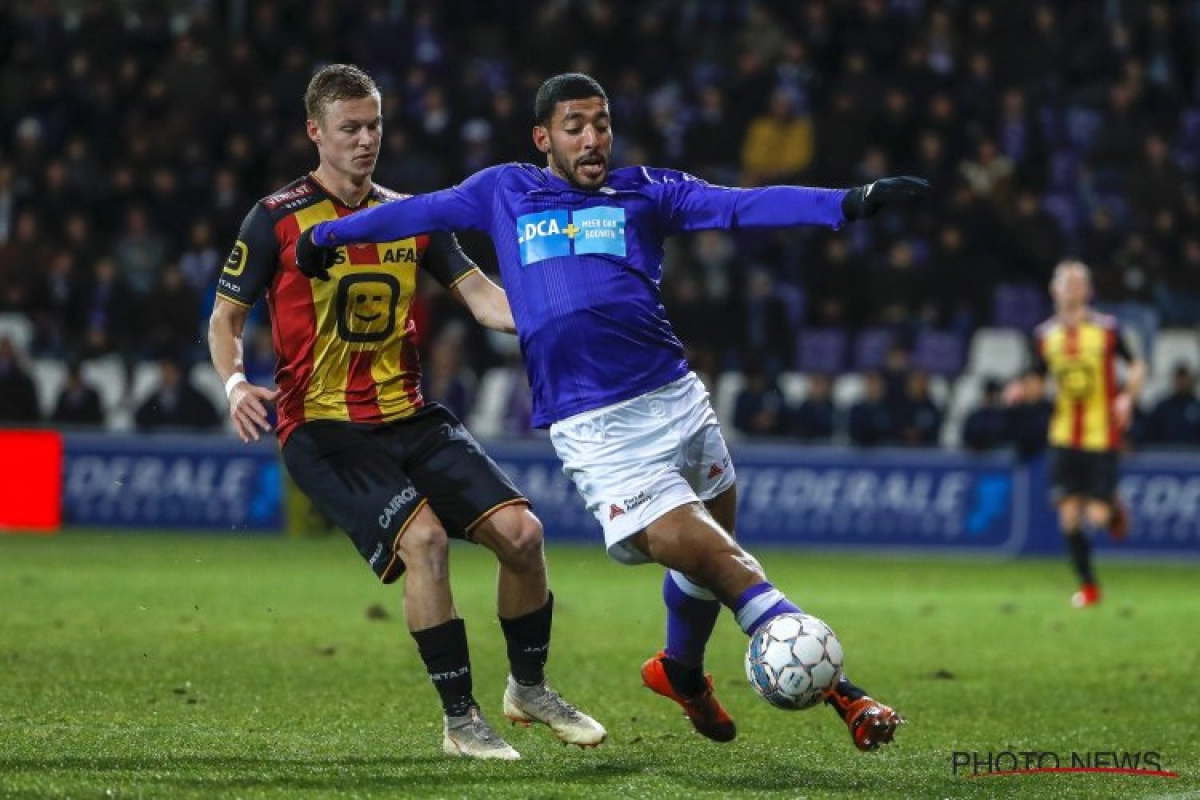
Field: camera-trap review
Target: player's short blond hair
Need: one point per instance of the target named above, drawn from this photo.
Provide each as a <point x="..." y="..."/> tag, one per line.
<point x="1069" y="264"/>
<point x="336" y="82"/>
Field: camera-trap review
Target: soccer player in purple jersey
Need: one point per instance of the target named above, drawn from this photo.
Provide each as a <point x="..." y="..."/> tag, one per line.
<point x="580" y="249"/>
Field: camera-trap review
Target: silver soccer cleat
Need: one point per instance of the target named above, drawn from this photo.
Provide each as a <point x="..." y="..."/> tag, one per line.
<point x="525" y="705"/>
<point x="470" y="736"/>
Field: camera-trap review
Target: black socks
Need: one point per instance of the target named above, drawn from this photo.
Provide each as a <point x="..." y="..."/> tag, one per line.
<point x="528" y="639"/>
<point x="444" y="650"/>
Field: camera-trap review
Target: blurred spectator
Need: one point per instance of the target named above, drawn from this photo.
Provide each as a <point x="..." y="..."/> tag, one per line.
<point x="1157" y="182"/>
<point x="896" y="289"/>
<point x="200" y="260"/>
<point x="763" y="328"/>
<point x="444" y="379"/>
<point x="110" y="312"/>
<point x="1178" y="291"/>
<point x="175" y="404"/>
<point x="517" y="419"/>
<point x="896" y="370"/>
<point x="18" y="397"/>
<point x="259" y="357"/>
<point x="759" y="408"/>
<point x="712" y="139"/>
<point x="28" y="245"/>
<point x="920" y="417"/>
<point x="986" y="426"/>
<point x="78" y="403"/>
<point x="1029" y="421"/>
<point x="815" y="419"/>
<point x="696" y="321"/>
<point x="1127" y="286"/>
<point x="8" y="202"/>
<point x="1175" y="420"/>
<point x="56" y="305"/>
<point x="1036" y="240"/>
<point x="872" y="420"/>
<point x="171" y="317"/>
<point x="779" y="144"/>
<point x="989" y="171"/>
<point x="140" y="252"/>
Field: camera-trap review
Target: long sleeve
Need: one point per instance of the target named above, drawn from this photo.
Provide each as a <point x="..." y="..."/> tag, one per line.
<point x="690" y="204"/>
<point x="461" y="207"/>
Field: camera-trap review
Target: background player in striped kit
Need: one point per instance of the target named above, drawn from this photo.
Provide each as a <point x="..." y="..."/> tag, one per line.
<point x="1079" y="348"/>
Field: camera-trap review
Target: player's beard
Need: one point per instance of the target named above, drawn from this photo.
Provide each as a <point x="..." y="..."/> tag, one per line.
<point x="570" y="170"/>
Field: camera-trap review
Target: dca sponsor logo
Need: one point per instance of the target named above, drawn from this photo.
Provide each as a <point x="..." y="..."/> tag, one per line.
<point x="556" y="233"/>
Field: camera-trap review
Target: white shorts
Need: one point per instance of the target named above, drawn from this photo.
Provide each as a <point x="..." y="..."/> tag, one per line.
<point x="636" y="460"/>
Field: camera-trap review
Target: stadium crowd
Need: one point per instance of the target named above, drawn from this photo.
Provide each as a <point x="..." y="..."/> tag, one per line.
<point x="134" y="135"/>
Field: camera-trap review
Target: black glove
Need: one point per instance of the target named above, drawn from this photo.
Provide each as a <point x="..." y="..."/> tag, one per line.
<point x="862" y="202"/>
<point x="313" y="260"/>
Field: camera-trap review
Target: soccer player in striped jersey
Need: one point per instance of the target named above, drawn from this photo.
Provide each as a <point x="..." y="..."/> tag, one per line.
<point x="580" y="248"/>
<point x="398" y="474"/>
<point x="1079" y="349"/>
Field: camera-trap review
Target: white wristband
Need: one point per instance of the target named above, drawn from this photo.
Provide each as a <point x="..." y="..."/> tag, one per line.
<point x="234" y="380"/>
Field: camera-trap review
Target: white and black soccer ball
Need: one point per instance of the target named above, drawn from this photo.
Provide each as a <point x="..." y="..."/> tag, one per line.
<point x="793" y="660"/>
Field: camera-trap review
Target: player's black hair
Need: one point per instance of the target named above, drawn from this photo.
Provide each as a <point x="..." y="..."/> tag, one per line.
<point x="568" y="86"/>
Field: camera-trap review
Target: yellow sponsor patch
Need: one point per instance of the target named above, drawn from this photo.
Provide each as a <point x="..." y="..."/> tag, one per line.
<point x="237" y="259"/>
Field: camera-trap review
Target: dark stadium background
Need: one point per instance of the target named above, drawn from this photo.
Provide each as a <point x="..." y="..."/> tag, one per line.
<point x="134" y="136"/>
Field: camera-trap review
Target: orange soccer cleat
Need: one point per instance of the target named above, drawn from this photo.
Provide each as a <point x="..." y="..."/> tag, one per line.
<point x="707" y="715"/>
<point x="871" y="723"/>
<point x="1088" y="595"/>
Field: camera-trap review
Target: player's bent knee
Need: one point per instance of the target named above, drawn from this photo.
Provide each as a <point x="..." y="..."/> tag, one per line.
<point x="515" y="535"/>
<point x="425" y="547"/>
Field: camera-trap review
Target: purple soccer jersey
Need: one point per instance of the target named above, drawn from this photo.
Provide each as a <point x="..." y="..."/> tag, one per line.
<point x="583" y="268"/>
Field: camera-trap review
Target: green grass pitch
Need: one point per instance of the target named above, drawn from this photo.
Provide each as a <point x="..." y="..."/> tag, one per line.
<point x="195" y="666"/>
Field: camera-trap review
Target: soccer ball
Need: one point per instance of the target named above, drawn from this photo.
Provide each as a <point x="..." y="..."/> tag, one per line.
<point x="793" y="660"/>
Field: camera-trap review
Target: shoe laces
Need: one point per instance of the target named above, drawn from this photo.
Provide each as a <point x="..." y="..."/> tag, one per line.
<point x="474" y="722"/>
<point x="546" y="699"/>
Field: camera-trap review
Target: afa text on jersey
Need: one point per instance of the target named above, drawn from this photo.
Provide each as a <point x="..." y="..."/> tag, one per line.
<point x="555" y="233"/>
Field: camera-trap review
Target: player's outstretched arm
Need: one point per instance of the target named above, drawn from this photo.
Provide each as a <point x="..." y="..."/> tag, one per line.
<point x="863" y="202"/>
<point x="689" y="204"/>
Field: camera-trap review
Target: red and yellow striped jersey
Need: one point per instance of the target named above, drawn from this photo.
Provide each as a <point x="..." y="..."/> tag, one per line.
<point x="345" y="347"/>
<point x="1082" y="360"/>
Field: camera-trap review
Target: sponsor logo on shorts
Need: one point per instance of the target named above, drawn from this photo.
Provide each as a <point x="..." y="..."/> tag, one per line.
<point x="395" y="505"/>
<point x="628" y="504"/>
<point x="638" y="499"/>
<point x="376" y="555"/>
<point x="718" y="469"/>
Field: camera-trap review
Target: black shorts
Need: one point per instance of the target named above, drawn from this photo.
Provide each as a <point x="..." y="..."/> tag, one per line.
<point x="1083" y="473"/>
<point x="370" y="479"/>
